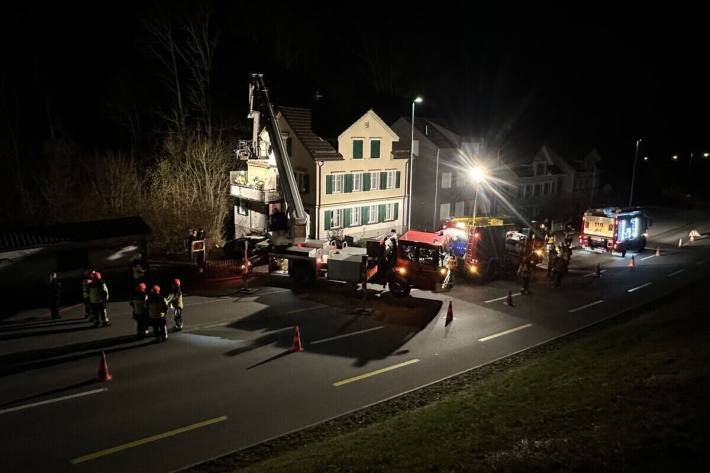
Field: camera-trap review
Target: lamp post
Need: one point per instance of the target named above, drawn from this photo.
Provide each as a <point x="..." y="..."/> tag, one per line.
<point x="633" y="173"/>
<point x="411" y="166"/>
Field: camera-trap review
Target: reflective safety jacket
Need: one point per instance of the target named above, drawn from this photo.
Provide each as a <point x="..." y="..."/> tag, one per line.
<point x="139" y="303"/>
<point x="98" y="292"/>
<point x="176" y="298"/>
<point x="85" y="288"/>
<point x="157" y="306"/>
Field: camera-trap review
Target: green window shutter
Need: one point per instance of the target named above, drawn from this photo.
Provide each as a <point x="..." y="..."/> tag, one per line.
<point x="396" y="209"/>
<point x="375" y="149"/>
<point x="348" y="183"/>
<point x="383" y="180"/>
<point x="366" y="182"/>
<point x="364" y="217"/>
<point x="328" y="184"/>
<point x="357" y="149"/>
<point x="346" y="218"/>
<point x="327" y="217"/>
<point x="306" y="183"/>
<point x="397" y="181"/>
<point x="381" y="213"/>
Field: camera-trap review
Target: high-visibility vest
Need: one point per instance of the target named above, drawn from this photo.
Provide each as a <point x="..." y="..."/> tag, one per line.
<point x="138" y="303"/>
<point x="157" y="307"/>
<point x="177" y="299"/>
<point x="98" y="292"/>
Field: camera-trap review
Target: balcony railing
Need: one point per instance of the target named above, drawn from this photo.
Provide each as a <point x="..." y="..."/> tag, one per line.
<point x="259" y="195"/>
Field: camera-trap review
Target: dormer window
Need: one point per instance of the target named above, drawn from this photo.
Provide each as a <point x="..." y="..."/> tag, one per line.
<point x="540" y="169"/>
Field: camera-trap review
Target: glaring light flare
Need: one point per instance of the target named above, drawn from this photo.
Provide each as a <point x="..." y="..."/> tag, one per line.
<point x="478" y="174"/>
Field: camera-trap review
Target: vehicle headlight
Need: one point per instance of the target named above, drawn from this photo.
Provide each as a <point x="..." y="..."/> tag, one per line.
<point x="401" y="271"/>
<point x="473" y="268"/>
<point x="538" y="252"/>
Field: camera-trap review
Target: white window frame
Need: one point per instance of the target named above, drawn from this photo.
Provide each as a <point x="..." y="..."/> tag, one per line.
<point x="391" y="178"/>
<point x="370" y="142"/>
<point x="389" y="211"/>
<point x="242" y="208"/>
<point x="355" y="212"/>
<point x="374" y="180"/>
<point x="338" y="182"/>
<point x="372" y="213"/>
<point x="446" y="180"/>
<point x="448" y="210"/>
<point x="337" y="219"/>
<point x="357" y="182"/>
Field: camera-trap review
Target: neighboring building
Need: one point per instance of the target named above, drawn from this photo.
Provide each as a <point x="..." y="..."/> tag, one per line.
<point x="357" y="190"/>
<point x="441" y="187"/>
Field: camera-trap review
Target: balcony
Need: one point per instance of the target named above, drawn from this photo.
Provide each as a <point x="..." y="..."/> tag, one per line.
<point x="259" y="195"/>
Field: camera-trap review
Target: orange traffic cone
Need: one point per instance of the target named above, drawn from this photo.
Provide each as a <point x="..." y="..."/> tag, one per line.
<point x="598" y="272"/>
<point x="104" y="374"/>
<point x="297" y="340"/>
<point x="632" y="263"/>
<point x="509" y="299"/>
<point x="658" y="251"/>
<point x="449" y="315"/>
<point x="680" y="243"/>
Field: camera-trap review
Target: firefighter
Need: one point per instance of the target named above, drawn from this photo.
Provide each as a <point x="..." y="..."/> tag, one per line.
<point x="85" y="292"/>
<point x="139" y="304"/>
<point x="175" y="300"/>
<point x="157" y="310"/>
<point x="551" y="258"/>
<point x="98" y="297"/>
<point x="137" y="269"/>
<point x="525" y="272"/>
<point x="55" y="294"/>
<point x="559" y="268"/>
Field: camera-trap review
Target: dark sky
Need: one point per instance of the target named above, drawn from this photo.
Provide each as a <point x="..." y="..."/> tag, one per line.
<point x="600" y="76"/>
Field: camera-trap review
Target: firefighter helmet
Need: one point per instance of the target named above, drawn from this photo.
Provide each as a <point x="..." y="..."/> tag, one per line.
<point x="97" y="276"/>
<point x="141" y="288"/>
<point x="176" y="282"/>
<point x="155" y="290"/>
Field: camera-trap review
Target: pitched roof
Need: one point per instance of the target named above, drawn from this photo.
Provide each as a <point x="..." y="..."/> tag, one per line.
<point x="371" y="114"/>
<point x="299" y="119"/>
<point x="435" y="133"/>
<point x="15" y="239"/>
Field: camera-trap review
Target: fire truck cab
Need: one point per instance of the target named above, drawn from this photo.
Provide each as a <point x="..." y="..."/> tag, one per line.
<point x="614" y="230"/>
<point x="423" y="262"/>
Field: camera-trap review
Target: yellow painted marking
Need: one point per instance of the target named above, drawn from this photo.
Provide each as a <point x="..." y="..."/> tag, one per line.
<point x="375" y="373"/>
<point x="143" y="441"/>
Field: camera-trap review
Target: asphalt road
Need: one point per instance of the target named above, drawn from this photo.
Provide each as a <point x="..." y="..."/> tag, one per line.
<point x="229" y="380"/>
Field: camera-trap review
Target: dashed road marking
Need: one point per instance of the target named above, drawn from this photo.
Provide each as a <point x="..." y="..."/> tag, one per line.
<point x="143" y="441"/>
<point x="594" y="273"/>
<point x="506" y="332"/>
<point x="647" y="257"/>
<point x="576" y="309"/>
<point x="52" y="401"/>
<point x="675" y="272"/>
<point x="500" y="298"/>
<point x="350" y="334"/>
<point x="634" y="289"/>
<point x="375" y="373"/>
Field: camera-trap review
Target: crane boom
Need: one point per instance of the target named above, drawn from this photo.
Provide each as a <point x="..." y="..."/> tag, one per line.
<point x="260" y="108"/>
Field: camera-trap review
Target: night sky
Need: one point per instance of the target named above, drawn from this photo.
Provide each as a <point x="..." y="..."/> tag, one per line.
<point x="576" y="79"/>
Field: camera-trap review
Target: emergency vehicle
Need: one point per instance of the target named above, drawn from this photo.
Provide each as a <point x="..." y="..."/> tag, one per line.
<point x="614" y="230"/>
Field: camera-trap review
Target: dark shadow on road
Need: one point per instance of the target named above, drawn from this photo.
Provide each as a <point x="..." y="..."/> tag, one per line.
<point x="44" y="323"/>
<point x="268" y="360"/>
<point x="38" y="333"/>
<point x="49" y="393"/>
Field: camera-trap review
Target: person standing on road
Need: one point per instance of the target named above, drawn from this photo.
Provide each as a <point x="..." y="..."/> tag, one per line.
<point x="558" y="270"/>
<point x="98" y="297"/>
<point x="524" y="271"/>
<point x="139" y="304"/>
<point x="157" y="311"/>
<point x="55" y="295"/>
<point x="85" y="292"/>
<point x="175" y="300"/>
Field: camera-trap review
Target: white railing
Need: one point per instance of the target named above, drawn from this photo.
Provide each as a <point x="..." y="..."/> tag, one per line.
<point x="250" y="193"/>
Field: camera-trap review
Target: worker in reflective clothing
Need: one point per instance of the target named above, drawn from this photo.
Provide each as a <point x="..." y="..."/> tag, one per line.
<point x="525" y="273"/>
<point x="157" y="311"/>
<point x="85" y="292"/>
<point x="139" y="303"/>
<point x="98" y="297"/>
<point x="175" y="300"/>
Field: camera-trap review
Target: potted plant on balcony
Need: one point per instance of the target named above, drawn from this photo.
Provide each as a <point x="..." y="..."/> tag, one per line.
<point x="258" y="183"/>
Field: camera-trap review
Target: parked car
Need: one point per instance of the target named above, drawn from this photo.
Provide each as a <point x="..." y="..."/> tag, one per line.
<point x="257" y="246"/>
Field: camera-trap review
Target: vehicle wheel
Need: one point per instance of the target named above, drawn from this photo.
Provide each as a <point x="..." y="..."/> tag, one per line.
<point x="302" y="273"/>
<point x="399" y="287"/>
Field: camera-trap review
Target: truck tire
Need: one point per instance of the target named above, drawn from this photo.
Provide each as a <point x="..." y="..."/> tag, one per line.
<point x="302" y="273"/>
<point x="399" y="287"/>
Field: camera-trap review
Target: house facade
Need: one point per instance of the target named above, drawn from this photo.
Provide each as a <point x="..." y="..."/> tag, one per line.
<point x="357" y="191"/>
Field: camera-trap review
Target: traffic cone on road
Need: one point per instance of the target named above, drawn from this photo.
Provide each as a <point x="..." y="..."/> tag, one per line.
<point x="509" y="299"/>
<point x="104" y="374"/>
<point x="680" y="243"/>
<point x="658" y="251"/>
<point x="449" y="315"/>
<point x="297" y="340"/>
<point x="598" y="272"/>
<point x="632" y="263"/>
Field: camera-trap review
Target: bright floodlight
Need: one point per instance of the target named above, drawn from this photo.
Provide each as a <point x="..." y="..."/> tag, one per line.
<point x="418" y="100"/>
<point x="705" y="155"/>
<point x="675" y="157"/>
<point x="478" y="174"/>
<point x="645" y="158"/>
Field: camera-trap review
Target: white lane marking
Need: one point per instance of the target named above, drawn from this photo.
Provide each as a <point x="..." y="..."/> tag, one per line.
<point x="319" y="306"/>
<point x="500" y="298"/>
<point x="634" y="289"/>
<point x="506" y="332"/>
<point x="323" y="340"/>
<point x="376" y="372"/>
<point x="594" y="273"/>
<point x="675" y="272"/>
<point x="585" y="306"/>
<point x="647" y="257"/>
<point x="51" y="401"/>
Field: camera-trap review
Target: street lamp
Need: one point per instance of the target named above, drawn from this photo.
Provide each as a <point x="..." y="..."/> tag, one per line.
<point x="478" y="175"/>
<point x="633" y="173"/>
<point x="411" y="166"/>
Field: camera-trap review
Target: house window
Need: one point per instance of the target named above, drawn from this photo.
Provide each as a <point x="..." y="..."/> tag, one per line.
<point x="391" y="176"/>
<point x="372" y="214"/>
<point x="460" y="179"/>
<point x="389" y="212"/>
<point x="540" y="169"/>
<point x="375" y="149"/>
<point x="303" y="180"/>
<point x="357" y="181"/>
<point x="528" y="190"/>
<point x="552" y="188"/>
<point x="338" y="183"/>
<point x="354" y="216"/>
<point x="546" y="188"/>
<point x="337" y="219"/>
<point x="374" y="180"/>
<point x="242" y="208"/>
<point x="357" y="149"/>
<point x="444" y="211"/>
<point x="537" y="189"/>
<point x="446" y="180"/>
<point x="458" y="209"/>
